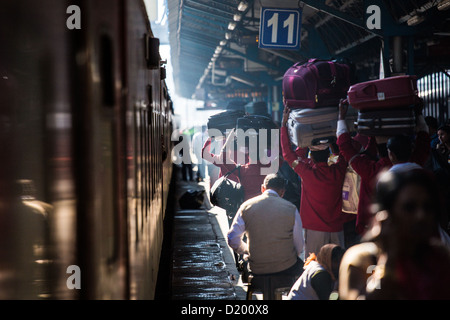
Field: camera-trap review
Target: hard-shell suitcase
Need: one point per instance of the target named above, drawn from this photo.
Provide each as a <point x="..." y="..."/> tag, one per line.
<point x="386" y="122"/>
<point x="351" y="119"/>
<point x="387" y="93"/>
<point x="223" y="121"/>
<point x="317" y="83"/>
<point x="309" y="127"/>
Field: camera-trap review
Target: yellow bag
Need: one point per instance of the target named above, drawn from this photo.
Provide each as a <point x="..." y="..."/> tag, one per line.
<point x="350" y="191"/>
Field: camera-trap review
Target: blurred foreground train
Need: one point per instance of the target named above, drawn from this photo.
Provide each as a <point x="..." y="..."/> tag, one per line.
<point x="85" y="126"/>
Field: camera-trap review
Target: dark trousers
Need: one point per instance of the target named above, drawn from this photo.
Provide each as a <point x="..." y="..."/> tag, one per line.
<point x="186" y="170"/>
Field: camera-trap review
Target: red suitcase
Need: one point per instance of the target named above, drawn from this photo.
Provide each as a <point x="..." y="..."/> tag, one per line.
<point x="390" y="92"/>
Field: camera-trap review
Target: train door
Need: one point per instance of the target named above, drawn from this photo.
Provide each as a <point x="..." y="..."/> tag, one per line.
<point x="100" y="164"/>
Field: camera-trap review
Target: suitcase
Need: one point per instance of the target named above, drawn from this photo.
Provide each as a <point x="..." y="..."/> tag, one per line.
<point x="351" y="119"/>
<point x="257" y="108"/>
<point x="384" y="93"/>
<point x="309" y="127"/>
<point x="256" y="122"/>
<point x="386" y="122"/>
<point x="316" y="83"/>
<point x="225" y="120"/>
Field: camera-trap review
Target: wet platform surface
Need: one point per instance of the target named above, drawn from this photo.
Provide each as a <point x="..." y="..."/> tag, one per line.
<point x="203" y="265"/>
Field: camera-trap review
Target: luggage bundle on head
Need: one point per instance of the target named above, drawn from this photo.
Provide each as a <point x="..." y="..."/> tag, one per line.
<point x="385" y="106"/>
<point x="257" y="108"/>
<point x="223" y="121"/>
<point x="252" y="124"/>
<point x="314" y="84"/>
<point x="249" y="125"/>
<point x="312" y="91"/>
<point x="310" y="127"/>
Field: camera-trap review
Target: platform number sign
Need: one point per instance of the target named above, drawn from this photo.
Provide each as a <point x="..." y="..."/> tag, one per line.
<point x="280" y="28"/>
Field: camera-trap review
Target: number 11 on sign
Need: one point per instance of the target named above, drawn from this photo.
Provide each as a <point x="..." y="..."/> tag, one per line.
<point x="289" y="23"/>
<point x="280" y="28"/>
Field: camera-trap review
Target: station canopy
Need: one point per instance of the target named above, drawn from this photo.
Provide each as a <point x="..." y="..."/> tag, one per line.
<point x="215" y="53"/>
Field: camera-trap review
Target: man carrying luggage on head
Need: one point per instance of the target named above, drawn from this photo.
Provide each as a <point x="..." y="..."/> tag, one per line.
<point x="321" y="192"/>
<point x="369" y="168"/>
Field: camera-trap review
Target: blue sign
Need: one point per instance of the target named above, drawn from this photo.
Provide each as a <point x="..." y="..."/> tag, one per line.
<point x="280" y="28"/>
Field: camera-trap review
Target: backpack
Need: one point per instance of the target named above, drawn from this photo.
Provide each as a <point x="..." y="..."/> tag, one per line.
<point x="316" y="83"/>
<point x="350" y="191"/>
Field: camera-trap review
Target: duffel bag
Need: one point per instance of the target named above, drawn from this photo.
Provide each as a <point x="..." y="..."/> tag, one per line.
<point x="315" y="84"/>
<point x="226" y="193"/>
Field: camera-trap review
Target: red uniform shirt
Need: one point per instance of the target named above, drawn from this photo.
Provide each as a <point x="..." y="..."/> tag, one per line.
<point x="249" y="175"/>
<point x="321" y="197"/>
<point x="368" y="170"/>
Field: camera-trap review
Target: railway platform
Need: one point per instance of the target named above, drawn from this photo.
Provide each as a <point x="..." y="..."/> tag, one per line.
<point x="203" y="266"/>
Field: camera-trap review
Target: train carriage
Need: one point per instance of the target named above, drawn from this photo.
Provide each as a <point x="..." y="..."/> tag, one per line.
<point x="86" y="124"/>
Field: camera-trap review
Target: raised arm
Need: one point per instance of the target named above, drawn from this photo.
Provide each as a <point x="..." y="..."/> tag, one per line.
<point x="422" y="147"/>
<point x="291" y="157"/>
<point x="288" y="154"/>
<point x="211" y="157"/>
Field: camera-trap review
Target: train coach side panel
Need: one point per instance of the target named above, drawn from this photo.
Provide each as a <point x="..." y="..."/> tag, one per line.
<point x="143" y="113"/>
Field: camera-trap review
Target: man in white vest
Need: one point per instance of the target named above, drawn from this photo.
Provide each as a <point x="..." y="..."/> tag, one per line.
<point x="274" y="231"/>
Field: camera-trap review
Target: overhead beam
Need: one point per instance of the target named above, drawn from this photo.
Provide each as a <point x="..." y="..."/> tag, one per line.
<point x="188" y="12"/>
<point x="208" y="9"/>
<point x="197" y="36"/>
<point x="247" y="56"/>
<point x="204" y="13"/>
<point x="321" y="6"/>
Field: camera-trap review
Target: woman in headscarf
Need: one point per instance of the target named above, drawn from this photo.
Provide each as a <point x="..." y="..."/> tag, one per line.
<point x="319" y="276"/>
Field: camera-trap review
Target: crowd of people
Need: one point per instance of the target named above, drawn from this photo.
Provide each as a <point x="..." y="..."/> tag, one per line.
<point x="395" y="246"/>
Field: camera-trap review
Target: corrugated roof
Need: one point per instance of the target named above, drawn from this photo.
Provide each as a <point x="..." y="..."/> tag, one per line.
<point x="330" y="29"/>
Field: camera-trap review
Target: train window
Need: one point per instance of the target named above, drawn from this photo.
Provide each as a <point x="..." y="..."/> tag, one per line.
<point x="107" y="70"/>
<point x="152" y="52"/>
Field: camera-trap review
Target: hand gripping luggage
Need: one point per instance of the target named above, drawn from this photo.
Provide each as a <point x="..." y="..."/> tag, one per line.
<point x="391" y="92"/>
<point x="316" y="83"/>
<point x="386" y="122"/>
<point x="309" y="127"/>
<point x="225" y="120"/>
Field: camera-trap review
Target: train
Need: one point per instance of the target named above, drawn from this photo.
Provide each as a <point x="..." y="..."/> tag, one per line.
<point x="86" y="119"/>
